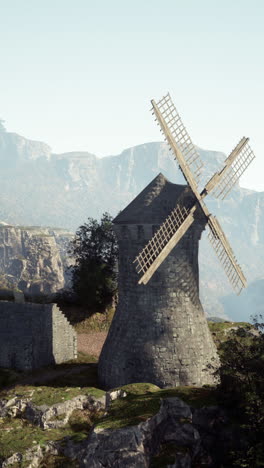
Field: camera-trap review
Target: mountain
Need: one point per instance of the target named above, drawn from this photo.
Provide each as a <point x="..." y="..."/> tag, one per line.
<point x="247" y="305"/>
<point x="46" y="189"/>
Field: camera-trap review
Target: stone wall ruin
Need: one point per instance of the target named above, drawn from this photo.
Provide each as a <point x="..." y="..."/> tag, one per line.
<point x="34" y="335"/>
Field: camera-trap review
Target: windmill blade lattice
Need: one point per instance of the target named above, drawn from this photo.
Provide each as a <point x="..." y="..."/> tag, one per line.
<point x="234" y="172"/>
<point x="180" y="135"/>
<point x="181" y="218"/>
<point x="163" y="241"/>
<point x="225" y="255"/>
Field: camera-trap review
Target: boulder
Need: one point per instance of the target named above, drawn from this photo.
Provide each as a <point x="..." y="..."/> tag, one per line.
<point x="133" y="446"/>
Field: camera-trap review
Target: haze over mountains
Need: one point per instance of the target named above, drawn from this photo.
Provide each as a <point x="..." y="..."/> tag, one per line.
<point x="63" y="190"/>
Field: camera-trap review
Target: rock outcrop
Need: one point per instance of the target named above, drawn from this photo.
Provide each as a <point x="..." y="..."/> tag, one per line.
<point x="33" y="259"/>
<point x="193" y="437"/>
<point x="188" y="437"/>
<point x="49" y="417"/>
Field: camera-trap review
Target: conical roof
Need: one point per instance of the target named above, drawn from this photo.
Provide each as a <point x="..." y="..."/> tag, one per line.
<point x="154" y="203"/>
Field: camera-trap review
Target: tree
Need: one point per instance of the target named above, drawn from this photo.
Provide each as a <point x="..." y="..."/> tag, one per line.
<point x="94" y="273"/>
<point x="242" y="390"/>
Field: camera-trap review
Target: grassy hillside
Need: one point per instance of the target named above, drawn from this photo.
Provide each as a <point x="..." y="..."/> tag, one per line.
<point x="60" y="383"/>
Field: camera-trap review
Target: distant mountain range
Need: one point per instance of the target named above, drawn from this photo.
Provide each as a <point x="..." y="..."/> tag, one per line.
<point x="63" y="190"/>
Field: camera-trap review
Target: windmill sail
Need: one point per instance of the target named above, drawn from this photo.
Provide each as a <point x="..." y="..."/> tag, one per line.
<point x="178" y="140"/>
<point x="235" y="165"/>
<point x="181" y="218"/>
<point x="225" y="254"/>
<point x="163" y="241"/>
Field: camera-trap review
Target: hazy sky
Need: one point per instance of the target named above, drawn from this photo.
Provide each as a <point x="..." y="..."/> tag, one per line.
<point x="79" y="75"/>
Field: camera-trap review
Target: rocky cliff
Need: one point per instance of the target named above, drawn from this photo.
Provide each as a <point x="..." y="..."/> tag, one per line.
<point x="31" y="258"/>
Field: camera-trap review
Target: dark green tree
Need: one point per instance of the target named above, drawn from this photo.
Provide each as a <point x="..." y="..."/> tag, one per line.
<point x="241" y="389"/>
<point x="94" y="273"/>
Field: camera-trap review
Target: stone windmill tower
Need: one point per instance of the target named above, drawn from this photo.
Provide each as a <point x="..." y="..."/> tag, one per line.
<point x="159" y="333"/>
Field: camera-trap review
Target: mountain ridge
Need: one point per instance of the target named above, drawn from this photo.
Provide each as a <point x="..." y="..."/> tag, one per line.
<point x="47" y="189"/>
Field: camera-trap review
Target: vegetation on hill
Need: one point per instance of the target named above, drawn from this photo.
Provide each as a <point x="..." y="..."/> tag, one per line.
<point x="221" y="330"/>
<point x="240" y="392"/>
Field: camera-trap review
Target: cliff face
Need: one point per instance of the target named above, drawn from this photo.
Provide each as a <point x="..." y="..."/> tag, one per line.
<point x="31" y="260"/>
<point x="15" y="148"/>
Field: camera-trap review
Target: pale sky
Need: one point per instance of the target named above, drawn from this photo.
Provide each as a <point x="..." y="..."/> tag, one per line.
<point x="79" y="75"/>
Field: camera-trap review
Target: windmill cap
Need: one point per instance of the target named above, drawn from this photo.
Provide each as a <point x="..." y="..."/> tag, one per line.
<point x="154" y="203"/>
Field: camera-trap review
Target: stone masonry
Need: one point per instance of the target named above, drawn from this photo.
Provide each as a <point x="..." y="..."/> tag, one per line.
<point x="159" y="333"/>
<point x="34" y="335"/>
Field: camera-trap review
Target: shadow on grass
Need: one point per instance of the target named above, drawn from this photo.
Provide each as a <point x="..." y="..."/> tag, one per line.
<point x="77" y="373"/>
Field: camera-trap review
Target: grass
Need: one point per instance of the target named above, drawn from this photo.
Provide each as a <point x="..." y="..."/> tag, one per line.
<point x="17" y="435"/>
<point x="50" y="395"/>
<point x="219" y="330"/>
<point x="79" y="376"/>
<point x="142" y="401"/>
<point x="98" y="322"/>
<point x="140" y="388"/>
<point x="80" y="372"/>
<point x="83" y="375"/>
<point x="140" y="404"/>
<point x="82" y="358"/>
<point x="85" y="320"/>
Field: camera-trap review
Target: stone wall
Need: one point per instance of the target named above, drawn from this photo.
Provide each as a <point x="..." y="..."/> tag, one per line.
<point x="34" y="335"/>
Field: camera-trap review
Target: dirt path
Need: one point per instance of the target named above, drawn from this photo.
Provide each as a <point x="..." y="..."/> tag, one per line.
<point x="91" y="343"/>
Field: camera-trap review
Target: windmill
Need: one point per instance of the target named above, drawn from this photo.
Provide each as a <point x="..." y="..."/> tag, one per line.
<point x="181" y="218"/>
<point x="159" y="333"/>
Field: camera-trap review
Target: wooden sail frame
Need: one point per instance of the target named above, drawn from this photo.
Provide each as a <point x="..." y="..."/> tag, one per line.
<point x="181" y="218"/>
